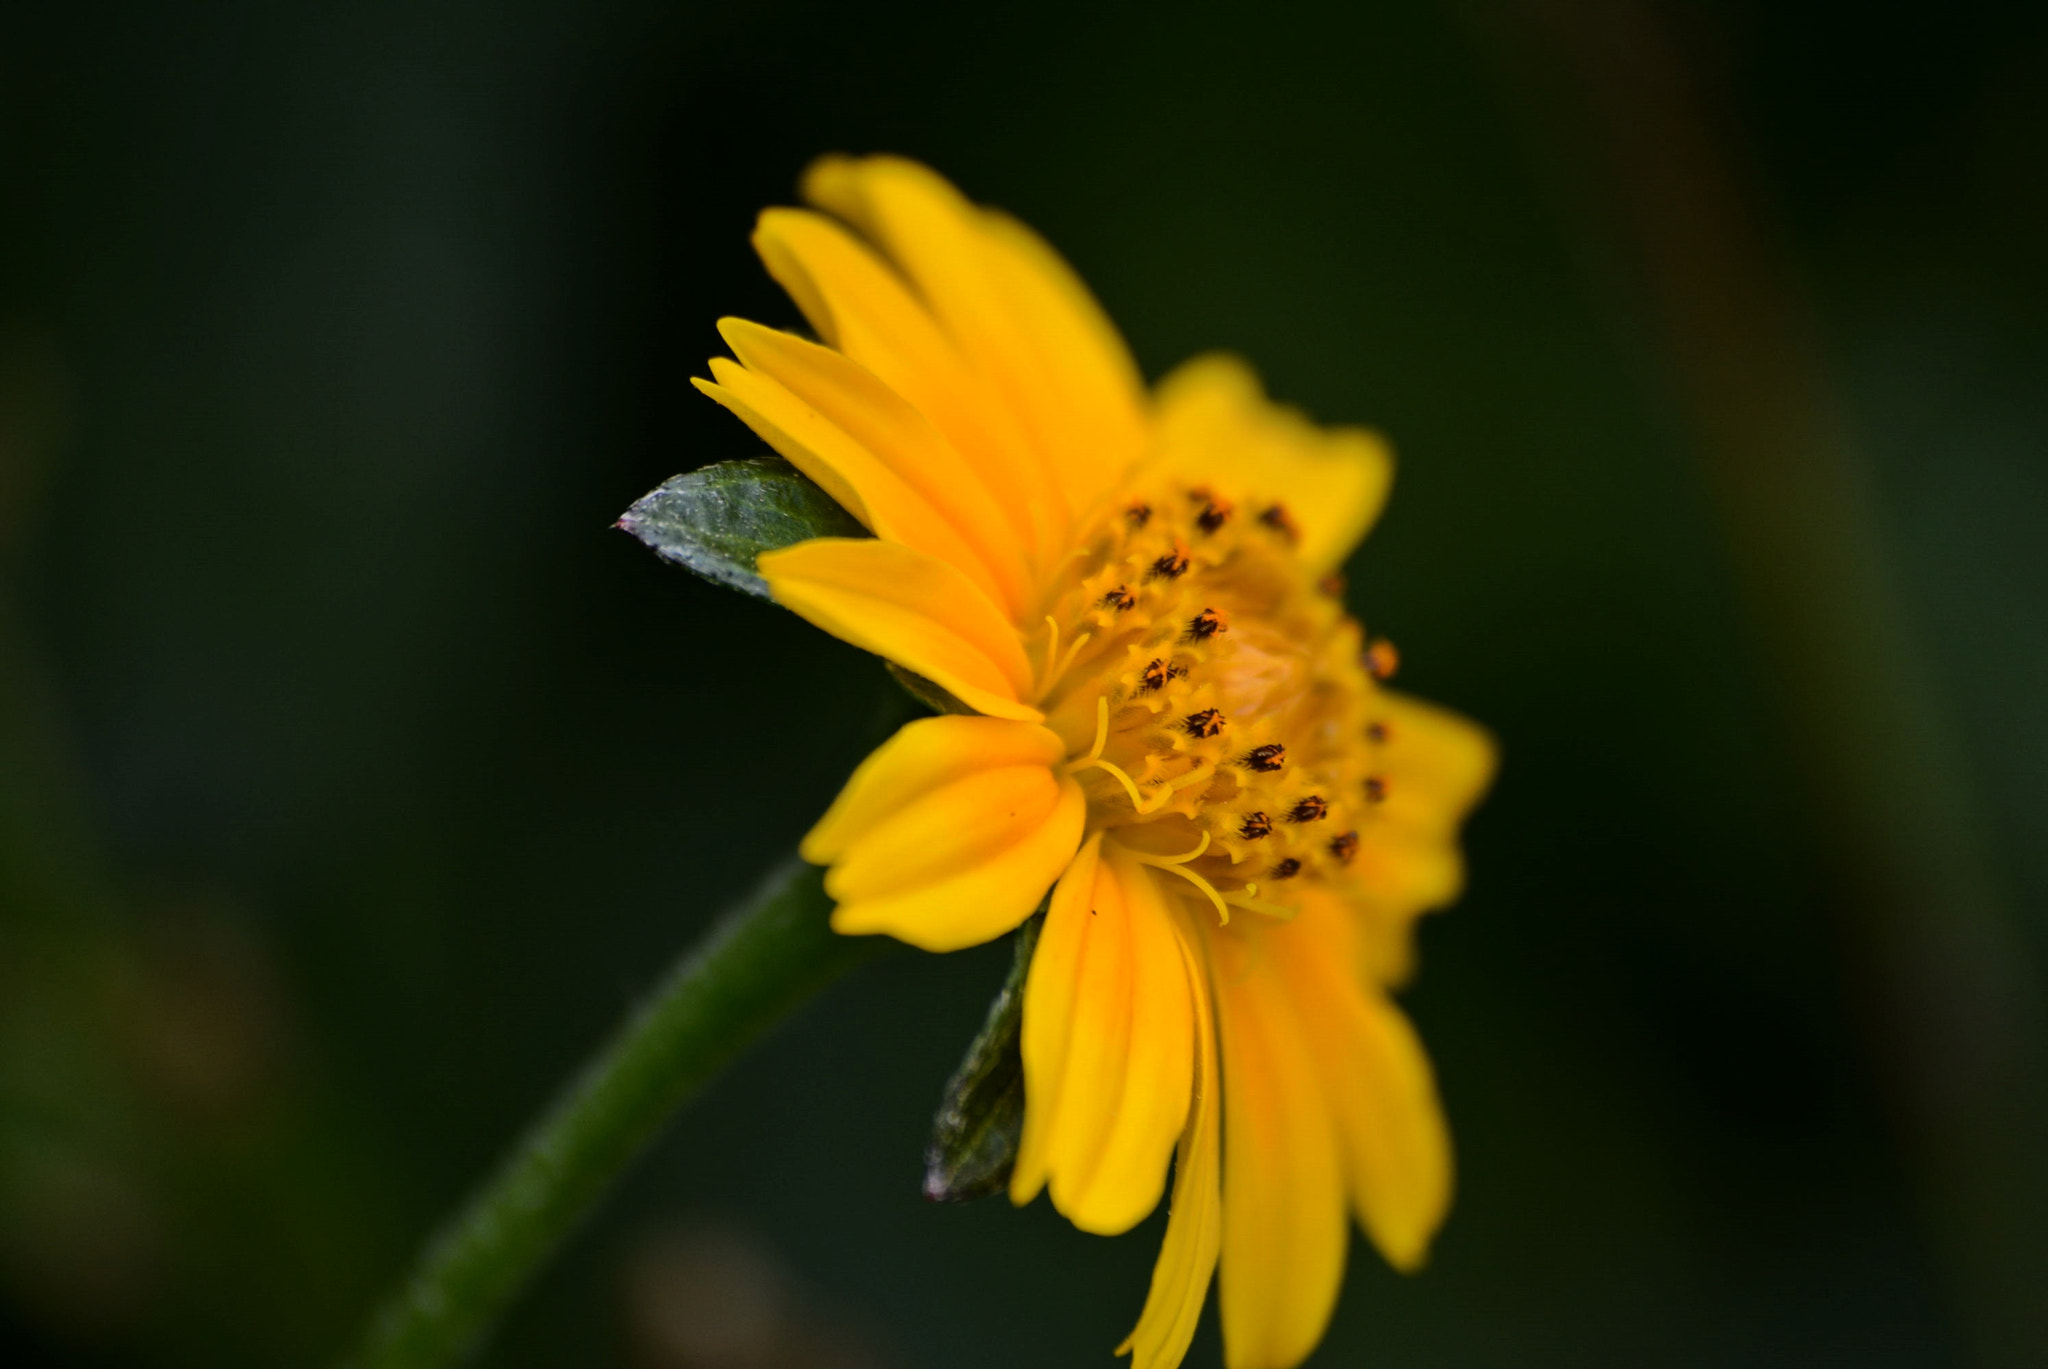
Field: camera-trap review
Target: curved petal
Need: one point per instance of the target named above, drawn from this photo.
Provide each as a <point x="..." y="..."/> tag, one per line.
<point x="1087" y="400"/>
<point x="1108" y="1044"/>
<point x="862" y="307"/>
<point x="950" y="833"/>
<point x="911" y="608"/>
<point x="1014" y="309"/>
<point x="1437" y="762"/>
<point x="1405" y="871"/>
<point x="923" y="756"/>
<point x="1194" y="1230"/>
<point x="1397" y="1148"/>
<point x="1051" y="1005"/>
<point x="1284" y="1220"/>
<point x="1215" y="423"/>
<point x="849" y="397"/>
<point x="1434" y="766"/>
<point x="860" y="481"/>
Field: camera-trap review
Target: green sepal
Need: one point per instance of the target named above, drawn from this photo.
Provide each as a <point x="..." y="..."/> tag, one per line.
<point x="979" y="1122"/>
<point x="716" y="520"/>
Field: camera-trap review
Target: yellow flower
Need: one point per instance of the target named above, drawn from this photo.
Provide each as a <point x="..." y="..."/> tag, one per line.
<point x="1174" y="727"/>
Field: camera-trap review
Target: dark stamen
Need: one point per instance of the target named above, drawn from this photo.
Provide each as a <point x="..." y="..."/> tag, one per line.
<point x="1216" y="510"/>
<point x="1310" y="809"/>
<point x="1121" y="599"/>
<point x="1173" y="564"/>
<point x="1344" y="846"/>
<point x="1376" y="789"/>
<point x="1207" y="624"/>
<point x="1281" y="521"/>
<point x="1287" y="869"/>
<point x="1207" y="723"/>
<point x="1267" y="758"/>
<point x="1256" y="825"/>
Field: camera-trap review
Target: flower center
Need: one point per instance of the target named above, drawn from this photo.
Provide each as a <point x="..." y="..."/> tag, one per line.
<point x="1217" y="702"/>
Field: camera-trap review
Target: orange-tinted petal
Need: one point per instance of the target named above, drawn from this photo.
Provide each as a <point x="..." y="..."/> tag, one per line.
<point x="1194" y="1229"/>
<point x="1108" y="1042"/>
<point x="1215" y="423"/>
<point x="1438" y="762"/>
<point x="1435" y="766"/>
<point x="950" y="833"/>
<point x="1284" y="1219"/>
<point x="911" y="608"/>
<point x="1396" y="1146"/>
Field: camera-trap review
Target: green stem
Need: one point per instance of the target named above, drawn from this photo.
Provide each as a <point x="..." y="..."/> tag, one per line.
<point x="764" y="959"/>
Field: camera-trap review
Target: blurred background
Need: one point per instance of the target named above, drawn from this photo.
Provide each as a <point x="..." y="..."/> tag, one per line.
<point x="355" y="776"/>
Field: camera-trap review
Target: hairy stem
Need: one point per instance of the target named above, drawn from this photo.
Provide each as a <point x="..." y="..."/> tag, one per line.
<point x="766" y="957"/>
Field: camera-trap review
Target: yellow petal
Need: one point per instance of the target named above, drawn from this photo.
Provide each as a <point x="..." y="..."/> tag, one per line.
<point x="1085" y="398"/>
<point x="841" y="469"/>
<point x="1284" y="1219"/>
<point x="930" y="836"/>
<point x="1404" y="870"/>
<point x="1047" y="1031"/>
<point x="863" y="308"/>
<point x="852" y="399"/>
<point x="978" y="902"/>
<point x="1128" y="1172"/>
<point x="911" y="608"/>
<point x="922" y="757"/>
<point x="857" y="478"/>
<point x="1015" y="310"/>
<point x="1383" y="942"/>
<point x="1108" y="1044"/>
<point x="1436" y="764"/>
<point x="950" y="834"/>
<point x="1215" y="423"/>
<point x="1187" y="1259"/>
<point x="1397" y="1148"/>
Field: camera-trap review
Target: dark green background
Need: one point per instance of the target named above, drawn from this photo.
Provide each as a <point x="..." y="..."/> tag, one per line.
<point x="354" y="775"/>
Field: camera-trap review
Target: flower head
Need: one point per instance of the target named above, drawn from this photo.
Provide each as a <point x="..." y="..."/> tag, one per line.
<point x="1169" y="721"/>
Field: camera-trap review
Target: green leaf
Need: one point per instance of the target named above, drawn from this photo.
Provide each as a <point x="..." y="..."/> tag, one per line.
<point x="974" y="1136"/>
<point x="716" y="520"/>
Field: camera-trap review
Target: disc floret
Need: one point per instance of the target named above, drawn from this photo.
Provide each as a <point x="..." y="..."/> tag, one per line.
<point x="1218" y="704"/>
